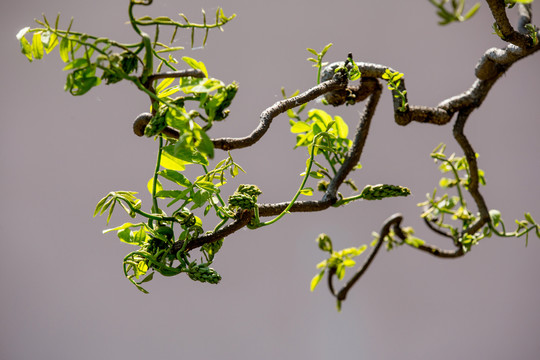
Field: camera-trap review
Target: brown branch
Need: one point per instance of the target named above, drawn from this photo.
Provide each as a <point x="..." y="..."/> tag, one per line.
<point x="441" y="253"/>
<point x="473" y="182"/>
<point x="498" y="10"/>
<point x="491" y="66"/>
<point x="338" y="81"/>
<point x="394" y="221"/>
<point x="243" y="218"/>
<point x="353" y="157"/>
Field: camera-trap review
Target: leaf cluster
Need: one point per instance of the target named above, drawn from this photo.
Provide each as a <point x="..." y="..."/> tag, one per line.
<point x="437" y="208"/>
<point x="333" y="147"/>
<point x="394" y="81"/>
<point x="455" y="12"/>
<point x="338" y="260"/>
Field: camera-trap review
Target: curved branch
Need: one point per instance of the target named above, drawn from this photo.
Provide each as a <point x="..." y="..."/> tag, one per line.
<point x="498" y="10"/>
<point x="353" y="157"/>
<point x="338" y="81"/>
<point x="394" y="221"/>
<point x="473" y="183"/>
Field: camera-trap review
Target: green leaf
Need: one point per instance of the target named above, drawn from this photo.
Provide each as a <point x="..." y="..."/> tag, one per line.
<point x="300" y="127"/>
<point x="175" y="177"/>
<point x="140" y="236"/>
<point x="325" y="49"/>
<point x="208" y="186"/>
<point x="26" y="49"/>
<point x="414" y="241"/>
<point x="168" y="194"/>
<point x="171" y="162"/>
<point x="342" y="127"/>
<point x="529" y="218"/>
<point x="77" y="64"/>
<point x="150" y="185"/>
<point x="200" y="198"/>
<point x="170" y="49"/>
<point x="186" y="154"/>
<point x="196" y="64"/>
<point x="126" y="236"/>
<point x="163" y="19"/>
<point x="49" y="40"/>
<point x="349" y="262"/>
<point x="318" y="114"/>
<point x="307" y="191"/>
<point x="164" y="84"/>
<point x="122" y="227"/>
<point x="147" y="279"/>
<point x="183" y="195"/>
<point x="65" y="47"/>
<point x="316" y="174"/>
<point x="168" y="92"/>
<point x="472" y="11"/>
<point x="205" y="146"/>
<point x="316" y="279"/>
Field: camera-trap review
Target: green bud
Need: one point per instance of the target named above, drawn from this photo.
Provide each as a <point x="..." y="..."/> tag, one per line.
<point x="325" y="243"/>
<point x="252" y="190"/>
<point x="243" y="201"/>
<point x="381" y="191"/>
<point x="203" y="273"/>
<point x="322" y="185"/>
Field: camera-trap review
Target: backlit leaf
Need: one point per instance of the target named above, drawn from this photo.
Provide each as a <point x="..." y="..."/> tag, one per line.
<point x="37" y="46"/>
<point x="175" y="177"/>
<point x="300" y="127"/>
<point x="150" y="185"/>
<point x="316" y="279"/>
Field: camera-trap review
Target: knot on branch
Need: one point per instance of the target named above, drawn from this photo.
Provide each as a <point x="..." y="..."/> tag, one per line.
<point x="142" y="121"/>
<point x="353" y="94"/>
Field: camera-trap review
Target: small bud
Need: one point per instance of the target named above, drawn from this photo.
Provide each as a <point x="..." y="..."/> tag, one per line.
<point x="324" y="242"/>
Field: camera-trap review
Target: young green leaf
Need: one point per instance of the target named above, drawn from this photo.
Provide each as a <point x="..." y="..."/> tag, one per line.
<point x="316" y="279"/>
<point x="65" y="47"/>
<point x="26" y="48"/>
<point x="175" y="177"/>
<point x="150" y="185"/>
<point x="198" y="65"/>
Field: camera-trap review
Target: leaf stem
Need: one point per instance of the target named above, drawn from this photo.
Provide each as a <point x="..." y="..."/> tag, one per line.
<point x="155" y="206"/>
<point x="308" y="170"/>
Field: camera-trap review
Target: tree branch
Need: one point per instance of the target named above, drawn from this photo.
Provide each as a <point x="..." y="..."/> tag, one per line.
<point x="338" y="81"/>
<point x="498" y="10"/>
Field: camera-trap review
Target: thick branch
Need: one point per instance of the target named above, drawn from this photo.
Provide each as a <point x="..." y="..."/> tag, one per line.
<point x="353" y="157"/>
<point x="473" y="182"/>
<point x="498" y="9"/>
<point x="242" y="220"/>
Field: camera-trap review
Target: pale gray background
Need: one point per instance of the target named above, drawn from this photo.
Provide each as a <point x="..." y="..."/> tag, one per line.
<point x="63" y="294"/>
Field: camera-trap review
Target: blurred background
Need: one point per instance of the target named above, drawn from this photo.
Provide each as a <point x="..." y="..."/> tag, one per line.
<point x="63" y="294"/>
